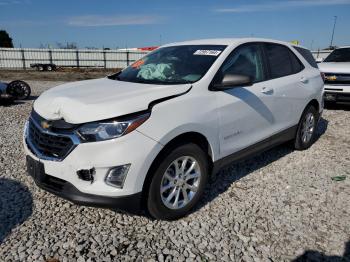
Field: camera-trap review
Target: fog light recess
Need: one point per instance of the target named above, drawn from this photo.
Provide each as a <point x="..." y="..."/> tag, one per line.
<point x="116" y="176"/>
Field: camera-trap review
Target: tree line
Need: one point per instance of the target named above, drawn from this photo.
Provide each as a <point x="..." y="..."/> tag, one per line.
<point x="5" y="39"/>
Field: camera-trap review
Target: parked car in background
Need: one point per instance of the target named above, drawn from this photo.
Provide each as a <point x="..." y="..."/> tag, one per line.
<point x="151" y="135"/>
<point x="336" y="68"/>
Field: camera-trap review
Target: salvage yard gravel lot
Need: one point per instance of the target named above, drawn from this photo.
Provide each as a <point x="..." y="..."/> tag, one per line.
<point x="279" y="206"/>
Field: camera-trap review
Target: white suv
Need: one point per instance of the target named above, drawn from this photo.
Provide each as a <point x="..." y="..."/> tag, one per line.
<point x="151" y="135"/>
<point x="336" y="68"/>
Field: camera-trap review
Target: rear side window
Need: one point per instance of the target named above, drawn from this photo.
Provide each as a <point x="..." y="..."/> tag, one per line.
<point x="282" y="61"/>
<point x="307" y="55"/>
<point x="296" y="64"/>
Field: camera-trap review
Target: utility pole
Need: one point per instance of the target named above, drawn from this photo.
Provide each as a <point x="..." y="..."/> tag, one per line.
<point x="335" y="21"/>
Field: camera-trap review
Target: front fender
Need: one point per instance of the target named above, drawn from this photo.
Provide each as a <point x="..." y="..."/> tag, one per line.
<point x="188" y="113"/>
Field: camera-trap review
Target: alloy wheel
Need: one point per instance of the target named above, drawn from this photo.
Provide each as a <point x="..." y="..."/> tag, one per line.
<point x="180" y="182"/>
<point x="308" y="128"/>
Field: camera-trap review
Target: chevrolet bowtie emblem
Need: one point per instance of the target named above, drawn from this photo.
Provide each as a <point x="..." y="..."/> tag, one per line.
<point x="331" y="78"/>
<point x="45" y="124"/>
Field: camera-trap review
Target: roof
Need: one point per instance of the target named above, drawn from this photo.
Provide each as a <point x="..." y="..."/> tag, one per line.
<point x="229" y="41"/>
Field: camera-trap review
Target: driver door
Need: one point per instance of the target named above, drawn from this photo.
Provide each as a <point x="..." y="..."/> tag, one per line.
<point x="246" y="113"/>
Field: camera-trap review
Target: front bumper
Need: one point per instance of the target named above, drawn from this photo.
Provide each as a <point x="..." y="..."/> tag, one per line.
<point x="337" y="93"/>
<point x="64" y="189"/>
<point x="337" y="97"/>
<point x="134" y="148"/>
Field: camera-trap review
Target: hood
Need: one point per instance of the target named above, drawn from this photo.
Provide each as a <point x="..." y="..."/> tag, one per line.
<point x="335" y="67"/>
<point x="93" y="100"/>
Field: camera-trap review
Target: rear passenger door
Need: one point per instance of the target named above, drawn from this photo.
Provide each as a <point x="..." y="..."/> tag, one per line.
<point x="286" y="79"/>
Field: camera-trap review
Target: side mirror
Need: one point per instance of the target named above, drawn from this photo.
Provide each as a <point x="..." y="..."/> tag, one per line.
<point x="230" y="80"/>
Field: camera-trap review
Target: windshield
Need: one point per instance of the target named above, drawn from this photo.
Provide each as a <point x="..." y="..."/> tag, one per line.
<point x="172" y="65"/>
<point x="339" y="55"/>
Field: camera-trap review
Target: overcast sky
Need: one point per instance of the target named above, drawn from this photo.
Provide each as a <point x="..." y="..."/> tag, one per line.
<point x="104" y="23"/>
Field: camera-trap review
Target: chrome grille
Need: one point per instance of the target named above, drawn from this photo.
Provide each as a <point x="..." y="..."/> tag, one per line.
<point x="48" y="145"/>
<point x="337" y="79"/>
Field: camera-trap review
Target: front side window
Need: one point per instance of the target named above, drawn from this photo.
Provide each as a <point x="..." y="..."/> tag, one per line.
<point x="339" y="55"/>
<point x="246" y="60"/>
<point x="282" y="61"/>
<point x="172" y="65"/>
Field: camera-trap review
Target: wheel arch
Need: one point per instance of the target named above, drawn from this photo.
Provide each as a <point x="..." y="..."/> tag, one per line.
<point x="315" y="104"/>
<point x="185" y="138"/>
<point x="298" y="145"/>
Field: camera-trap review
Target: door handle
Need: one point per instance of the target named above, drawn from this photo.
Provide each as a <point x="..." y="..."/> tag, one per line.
<point x="303" y="79"/>
<point x="267" y="90"/>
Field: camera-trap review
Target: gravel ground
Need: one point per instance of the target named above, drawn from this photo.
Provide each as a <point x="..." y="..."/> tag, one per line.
<point x="279" y="206"/>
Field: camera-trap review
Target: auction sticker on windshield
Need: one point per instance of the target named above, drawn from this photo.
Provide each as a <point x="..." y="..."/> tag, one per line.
<point x="138" y="63"/>
<point x="207" y="52"/>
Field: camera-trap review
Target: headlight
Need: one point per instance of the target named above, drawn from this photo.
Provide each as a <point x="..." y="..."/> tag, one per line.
<point x="109" y="129"/>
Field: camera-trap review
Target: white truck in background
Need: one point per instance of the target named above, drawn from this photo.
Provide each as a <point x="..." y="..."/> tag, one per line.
<point x="336" y="68"/>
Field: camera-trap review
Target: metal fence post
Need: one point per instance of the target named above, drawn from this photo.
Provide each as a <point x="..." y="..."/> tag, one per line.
<point x="50" y="56"/>
<point x="77" y="57"/>
<point x="104" y="60"/>
<point x="23" y="59"/>
<point x="127" y="58"/>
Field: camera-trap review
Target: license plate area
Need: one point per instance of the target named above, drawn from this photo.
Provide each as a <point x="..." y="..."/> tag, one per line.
<point x="35" y="168"/>
<point x="330" y="97"/>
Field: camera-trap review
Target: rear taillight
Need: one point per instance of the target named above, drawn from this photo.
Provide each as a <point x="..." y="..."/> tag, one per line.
<point x="323" y="76"/>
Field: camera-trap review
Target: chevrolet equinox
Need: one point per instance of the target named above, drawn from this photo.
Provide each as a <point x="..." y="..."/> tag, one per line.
<point x="151" y="135"/>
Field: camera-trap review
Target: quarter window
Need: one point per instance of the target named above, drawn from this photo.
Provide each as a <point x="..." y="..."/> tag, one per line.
<point x="307" y="55"/>
<point x="247" y="60"/>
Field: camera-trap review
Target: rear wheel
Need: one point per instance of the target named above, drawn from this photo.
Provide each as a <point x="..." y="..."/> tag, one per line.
<point x="49" y="68"/>
<point x="306" y="129"/>
<point x="178" y="182"/>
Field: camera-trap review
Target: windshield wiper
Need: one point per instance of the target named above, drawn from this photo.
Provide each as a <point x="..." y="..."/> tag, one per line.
<point x="162" y="82"/>
<point x="177" y="82"/>
<point x="114" y="76"/>
<point x="148" y="81"/>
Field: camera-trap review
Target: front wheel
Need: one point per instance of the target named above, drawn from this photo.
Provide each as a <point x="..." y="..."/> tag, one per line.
<point x="306" y="129"/>
<point x="178" y="182"/>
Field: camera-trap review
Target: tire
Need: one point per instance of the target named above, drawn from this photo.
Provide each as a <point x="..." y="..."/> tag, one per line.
<point x="48" y="68"/>
<point x="19" y="89"/>
<point x="306" y="131"/>
<point x="166" y="176"/>
<point x="40" y="68"/>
